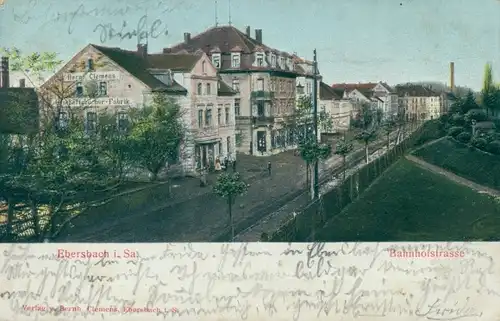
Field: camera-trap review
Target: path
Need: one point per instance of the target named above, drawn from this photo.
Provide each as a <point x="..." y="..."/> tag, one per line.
<point x="453" y="177"/>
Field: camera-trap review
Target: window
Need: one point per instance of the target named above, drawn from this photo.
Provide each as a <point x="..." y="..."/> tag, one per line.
<point x="260" y="84"/>
<point x="122" y="121"/>
<point x="300" y="90"/>
<point x="235" y="60"/>
<point x="260" y="59"/>
<point x="273" y="60"/>
<point x="216" y="60"/>
<point x="79" y="89"/>
<point x="63" y="119"/>
<point x="227" y="116"/>
<point x="103" y="88"/>
<point x="261" y="108"/>
<point x="204" y="67"/>
<point x="282" y="86"/>
<point x="236" y="85"/>
<point x="237" y="107"/>
<point x="90" y="65"/>
<point x="91" y="123"/>
<point x="200" y="118"/>
<point x="273" y="84"/>
<point x="209" y="89"/>
<point x="220" y="148"/>
<point x="22" y="82"/>
<point x="219" y="116"/>
<point x="282" y="63"/>
<point x="208" y="117"/>
<point x="228" y="145"/>
<point x="200" y="89"/>
<point x="309" y="88"/>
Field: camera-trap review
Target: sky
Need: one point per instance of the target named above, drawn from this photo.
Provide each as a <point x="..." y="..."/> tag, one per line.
<point x="395" y="41"/>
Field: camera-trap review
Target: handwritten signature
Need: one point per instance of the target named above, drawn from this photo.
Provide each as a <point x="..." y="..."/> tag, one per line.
<point x="108" y="32"/>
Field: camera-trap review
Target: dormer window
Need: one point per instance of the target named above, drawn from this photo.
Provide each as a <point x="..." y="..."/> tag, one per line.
<point x="282" y="62"/>
<point x="273" y="60"/>
<point x="259" y="59"/>
<point x="235" y="60"/>
<point x="216" y="60"/>
<point x="289" y="63"/>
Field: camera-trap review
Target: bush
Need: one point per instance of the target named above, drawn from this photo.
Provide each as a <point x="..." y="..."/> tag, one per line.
<point x="476" y="114"/>
<point x="464" y="137"/>
<point x="455" y="131"/>
<point x="457" y="120"/>
<point x="493" y="147"/>
<point x="479" y="142"/>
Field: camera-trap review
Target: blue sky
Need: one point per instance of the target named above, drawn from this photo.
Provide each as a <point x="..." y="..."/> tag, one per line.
<point x="357" y="40"/>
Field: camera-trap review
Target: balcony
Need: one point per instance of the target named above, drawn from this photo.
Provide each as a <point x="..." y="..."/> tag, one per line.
<point x="262" y="95"/>
<point x="262" y="119"/>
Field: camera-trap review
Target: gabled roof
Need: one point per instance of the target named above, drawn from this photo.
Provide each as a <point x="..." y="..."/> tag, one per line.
<point x="352" y="86"/>
<point x="223" y="37"/>
<point x="229" y="39"/>
<point x="224" y="89"/>
<point x="19" y="113"/>
<point x="328" y="93"/>
<point x="138" y="67"/>
<point x="414" y="90"/>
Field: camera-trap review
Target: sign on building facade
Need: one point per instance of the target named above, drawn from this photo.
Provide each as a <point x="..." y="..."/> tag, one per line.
<point x="92" y="75"/>
<point x="91" y="102"/>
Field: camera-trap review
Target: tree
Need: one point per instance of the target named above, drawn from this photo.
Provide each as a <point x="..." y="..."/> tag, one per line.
<point x="229" y="186"/>
<point x="490" y="92"/>
<point x="388" y="127"/>
<point x="156" y="135"/>
<point x="343" y="148"/>
<point x="312" y="152"/>
<point x="367" y="136"/>
<point x="365" y="118"/>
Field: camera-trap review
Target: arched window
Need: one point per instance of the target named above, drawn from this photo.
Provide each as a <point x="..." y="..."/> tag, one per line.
<point x="203" y="66"/>
<point x="200" y="89"/>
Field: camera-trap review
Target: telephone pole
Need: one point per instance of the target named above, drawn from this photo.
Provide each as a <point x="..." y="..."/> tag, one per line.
<point x="315" y="121"/>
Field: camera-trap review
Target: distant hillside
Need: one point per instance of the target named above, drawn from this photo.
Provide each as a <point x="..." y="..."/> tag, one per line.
<point x="439" y="86"/>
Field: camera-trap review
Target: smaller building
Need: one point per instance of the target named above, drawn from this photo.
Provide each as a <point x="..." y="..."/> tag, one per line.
<point x="419" y="102"/>
<point x="334" y="105"/>
<point x="115" y="81"/>
<point x="19" y="113"/>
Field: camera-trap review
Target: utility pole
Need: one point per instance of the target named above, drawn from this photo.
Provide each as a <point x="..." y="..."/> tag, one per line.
<point x="315" y="121"/>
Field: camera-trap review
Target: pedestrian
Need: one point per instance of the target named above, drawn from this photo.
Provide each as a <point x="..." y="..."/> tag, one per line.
<point x="226" y="162"/>
<point x="234" y="165"/>
<point x="269" y="168"/>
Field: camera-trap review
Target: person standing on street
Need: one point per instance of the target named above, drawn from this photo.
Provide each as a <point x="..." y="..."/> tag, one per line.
<point x="269" y="168"/>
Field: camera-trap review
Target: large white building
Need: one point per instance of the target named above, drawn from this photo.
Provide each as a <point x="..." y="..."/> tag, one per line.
<point x="126" y="79"/>
<point x="420" y="102"/>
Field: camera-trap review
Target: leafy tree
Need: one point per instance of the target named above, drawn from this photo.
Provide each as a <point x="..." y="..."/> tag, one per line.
<point x="343" y="148"/>
<point x="156" y="135"/>
<point x="388" y="126"/>
<point x="312" y="152"/>
<point x="229" y="186"/>
<point x="490" y="93"/>
<point x="365" y="118"/>
<point x="367" y="136"/>
<point x="325" y="122"/>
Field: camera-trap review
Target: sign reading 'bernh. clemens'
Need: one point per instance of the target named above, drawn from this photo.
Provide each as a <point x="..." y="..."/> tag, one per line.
<point x="93" y="75"/>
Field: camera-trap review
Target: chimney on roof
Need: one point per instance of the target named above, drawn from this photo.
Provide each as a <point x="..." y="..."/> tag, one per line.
<point x="249" y="35"/>
<point x="187" y="37"/>
<point x="4" y="73"/>
<point x="452" y="76"/>
<point x="258" y="35"/>
<point x="142" y="50"/>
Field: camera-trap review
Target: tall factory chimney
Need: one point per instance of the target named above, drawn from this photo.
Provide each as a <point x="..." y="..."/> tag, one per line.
<point x="452" y="76"/>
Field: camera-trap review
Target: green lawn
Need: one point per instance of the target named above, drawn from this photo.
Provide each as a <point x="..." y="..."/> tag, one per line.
<point x="408" y="203"/>
<point x="469" y="163"/>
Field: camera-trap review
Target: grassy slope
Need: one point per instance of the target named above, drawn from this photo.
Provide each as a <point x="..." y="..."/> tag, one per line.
<point x="474" y="165"/>
<point x="410" y="204"/>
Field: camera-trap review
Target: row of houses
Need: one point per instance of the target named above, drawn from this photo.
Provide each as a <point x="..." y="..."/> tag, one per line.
<point x="237" y="93"/>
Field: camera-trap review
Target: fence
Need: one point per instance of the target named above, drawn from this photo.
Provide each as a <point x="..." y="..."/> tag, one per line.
<point x="301" y="227"/>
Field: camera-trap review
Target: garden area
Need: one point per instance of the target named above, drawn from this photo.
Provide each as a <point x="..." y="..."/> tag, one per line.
<point x="406" y="204"/>
<point x="479" y="167"/>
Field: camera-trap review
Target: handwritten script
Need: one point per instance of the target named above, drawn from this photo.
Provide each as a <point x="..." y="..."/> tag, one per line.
<point x="142" y="31"/>
<point x="251" y="281"/>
